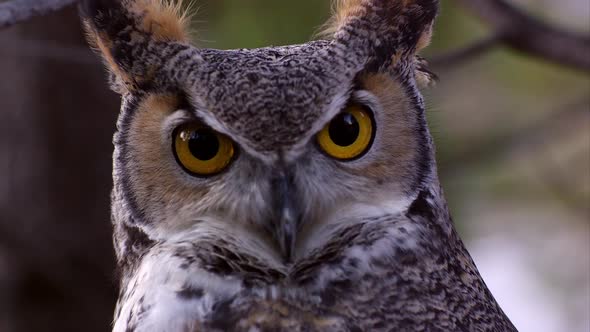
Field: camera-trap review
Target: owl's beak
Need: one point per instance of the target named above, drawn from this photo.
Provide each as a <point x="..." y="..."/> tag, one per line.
<point x="286" y="216"/>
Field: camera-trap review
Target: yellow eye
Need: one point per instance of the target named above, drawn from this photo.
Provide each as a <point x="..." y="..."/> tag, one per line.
<point x="201" y="150"/>
<point x="349" y="135"/>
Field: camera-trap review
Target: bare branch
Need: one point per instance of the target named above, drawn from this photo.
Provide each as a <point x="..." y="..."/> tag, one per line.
<point x="16" y="11"/>
<point x="527" y="34"/>
<point x="519" y="140"/>
<point x="459" y="56"/>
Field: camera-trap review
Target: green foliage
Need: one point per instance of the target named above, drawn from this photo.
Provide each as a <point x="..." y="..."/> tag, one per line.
<point x="258" y="23"/>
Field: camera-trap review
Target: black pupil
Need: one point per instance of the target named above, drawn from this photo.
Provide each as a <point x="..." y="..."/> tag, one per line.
<point x="203" y="144"/>
<point x="344" y="129"/>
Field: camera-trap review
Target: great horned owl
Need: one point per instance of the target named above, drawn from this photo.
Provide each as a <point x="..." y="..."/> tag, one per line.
<point x="284" y="188"/>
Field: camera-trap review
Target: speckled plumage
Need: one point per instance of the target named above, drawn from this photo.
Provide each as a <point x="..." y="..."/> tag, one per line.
<point x="376" y="249"/>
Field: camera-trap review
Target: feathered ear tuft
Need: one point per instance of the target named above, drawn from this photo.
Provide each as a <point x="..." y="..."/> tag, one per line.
<point x="118" y="29"/>
<point x="166" y="20"/>
<point x="341" y="10"/>
<point x="385" y="31"/>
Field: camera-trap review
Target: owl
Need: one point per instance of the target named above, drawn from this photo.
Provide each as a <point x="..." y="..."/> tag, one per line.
<point x="284" y="188"/>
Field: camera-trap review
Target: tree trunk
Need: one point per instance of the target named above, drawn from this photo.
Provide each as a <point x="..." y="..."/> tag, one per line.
<point x="56" y="122"/>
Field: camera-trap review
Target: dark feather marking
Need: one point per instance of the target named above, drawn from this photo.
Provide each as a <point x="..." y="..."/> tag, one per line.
<point x="189" y="293"/>
<point x="420" y="207"/>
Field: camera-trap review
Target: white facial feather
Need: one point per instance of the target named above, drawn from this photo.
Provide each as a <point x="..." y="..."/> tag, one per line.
<point x="320" y="231"/>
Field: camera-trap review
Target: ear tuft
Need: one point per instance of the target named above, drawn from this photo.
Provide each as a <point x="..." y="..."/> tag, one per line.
<point x="165" y="19"/>
<point x="344" y="10"/>
<point x="121" y="30"/>
<point x="341" y="11"/>
<point x="384" y="32"/>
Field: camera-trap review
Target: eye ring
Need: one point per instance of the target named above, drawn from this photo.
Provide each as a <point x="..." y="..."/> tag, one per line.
<point x="349" y="135"/>
<point x="201" y="151"/>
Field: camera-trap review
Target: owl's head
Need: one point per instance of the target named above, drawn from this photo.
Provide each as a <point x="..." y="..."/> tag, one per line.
<point x="278" y="146"/>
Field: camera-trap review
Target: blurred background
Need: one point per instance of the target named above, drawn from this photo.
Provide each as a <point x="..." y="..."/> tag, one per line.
<point x="512" y="130"/>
